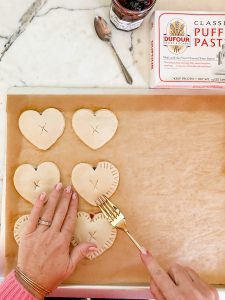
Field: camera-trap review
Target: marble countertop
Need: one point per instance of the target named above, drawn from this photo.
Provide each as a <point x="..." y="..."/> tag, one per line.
<point x="56" y="46"/>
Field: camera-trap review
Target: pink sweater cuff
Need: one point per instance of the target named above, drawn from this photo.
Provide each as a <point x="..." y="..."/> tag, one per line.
<point x="11" y="289"/>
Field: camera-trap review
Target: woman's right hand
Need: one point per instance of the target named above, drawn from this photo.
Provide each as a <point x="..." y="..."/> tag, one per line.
<point x="180" y="283"/>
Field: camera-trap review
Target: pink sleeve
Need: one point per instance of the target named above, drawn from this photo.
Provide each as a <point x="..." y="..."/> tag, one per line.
<point x="11" y="289"/>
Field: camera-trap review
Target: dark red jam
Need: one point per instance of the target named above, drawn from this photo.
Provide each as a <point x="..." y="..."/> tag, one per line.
<point x="128" y="15"/>
<point x="136" y="5"/>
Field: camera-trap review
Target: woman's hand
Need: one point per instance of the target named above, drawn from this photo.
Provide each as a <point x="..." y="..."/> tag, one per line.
<point x="45" y="255"/>
<point x="179" y="283"/>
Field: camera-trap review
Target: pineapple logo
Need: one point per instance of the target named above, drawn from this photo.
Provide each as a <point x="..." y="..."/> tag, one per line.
<point x="176" y="38"/>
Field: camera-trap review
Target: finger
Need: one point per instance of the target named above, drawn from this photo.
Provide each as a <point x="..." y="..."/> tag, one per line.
<point x="35" y="214"/>
<point x="199" y="283"/>
<point x="69" y="222"/>
<point x="50" y="206"/>
<point x="81" y="251"/>
<point x="203" y="287"/>
<point x="155" y="291"/>
<point x="159" y="275"/>
<point x="193" y="275"/>
<point x="180" y="276"/>
<point x="62" y="209"/>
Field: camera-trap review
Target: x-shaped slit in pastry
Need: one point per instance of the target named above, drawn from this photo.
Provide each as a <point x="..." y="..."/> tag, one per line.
<point x="92" y="236"/>
<point x="36" y="186"/>
<point x="94" y="129"/>
<point x="43" y="128"/>
<point x="94" y="184"/>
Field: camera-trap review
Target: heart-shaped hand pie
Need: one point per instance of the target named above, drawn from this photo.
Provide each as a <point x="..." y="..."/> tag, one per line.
<point x="19" y="227"/>
<point x="91" y="183"/>
<point x="95" y="230"/>
<point x="42" y="129"/>
<point x="30" y="181"/>
<point x="95" y="129"/>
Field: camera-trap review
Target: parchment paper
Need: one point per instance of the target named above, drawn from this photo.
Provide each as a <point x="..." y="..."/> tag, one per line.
<point x="170" y="151"/>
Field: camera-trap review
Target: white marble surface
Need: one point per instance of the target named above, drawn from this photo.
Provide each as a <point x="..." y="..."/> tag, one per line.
<point x="59" y="48"/>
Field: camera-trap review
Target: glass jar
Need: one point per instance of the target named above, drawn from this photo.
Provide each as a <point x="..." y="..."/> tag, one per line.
<point x="129" y="15"/>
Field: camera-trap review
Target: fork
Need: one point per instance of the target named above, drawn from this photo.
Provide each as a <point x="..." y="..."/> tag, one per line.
<point x="115" y="217"/>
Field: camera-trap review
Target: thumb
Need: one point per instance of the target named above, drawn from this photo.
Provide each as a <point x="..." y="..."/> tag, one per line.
<point x="80" y="251"/>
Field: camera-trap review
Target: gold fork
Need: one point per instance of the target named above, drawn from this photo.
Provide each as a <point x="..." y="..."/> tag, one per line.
<point x="115" y="217"/>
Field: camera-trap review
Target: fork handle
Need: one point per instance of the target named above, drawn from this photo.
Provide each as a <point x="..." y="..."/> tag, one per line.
<point x="133" y="240"/>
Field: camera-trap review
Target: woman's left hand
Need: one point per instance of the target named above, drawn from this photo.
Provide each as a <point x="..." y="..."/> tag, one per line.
<point x="45" y="253"/>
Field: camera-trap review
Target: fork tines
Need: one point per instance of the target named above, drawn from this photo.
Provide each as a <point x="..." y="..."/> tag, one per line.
<point x="109" y="210"/>
<point x="101" y="200"/>
<point x="115" y="217"/>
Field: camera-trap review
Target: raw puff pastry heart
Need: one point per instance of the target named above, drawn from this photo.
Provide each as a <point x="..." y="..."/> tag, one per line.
<point x="95" y="230"/>
<point x="91" y="183"/>
<point x="30" y="181"/>
<point x="42" y="129"/>
<point x="95" y="129"/>
<point x="19" y="227"/>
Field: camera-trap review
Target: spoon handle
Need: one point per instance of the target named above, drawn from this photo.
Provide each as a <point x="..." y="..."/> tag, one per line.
<point x="123" y="68"/>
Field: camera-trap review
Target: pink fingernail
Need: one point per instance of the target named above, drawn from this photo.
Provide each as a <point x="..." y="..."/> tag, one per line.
<point x="74" y="196"/>
<point x="42" y="196"/>
<point x="68" y="189"/>
<point x="144" y="251"/>
<point x="58" y="187"/>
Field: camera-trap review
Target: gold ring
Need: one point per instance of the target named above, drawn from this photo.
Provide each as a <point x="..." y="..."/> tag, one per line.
<point x="43" y="222"/>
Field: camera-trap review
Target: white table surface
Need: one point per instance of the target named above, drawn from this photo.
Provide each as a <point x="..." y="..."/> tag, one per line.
<point x="59" y="48"/>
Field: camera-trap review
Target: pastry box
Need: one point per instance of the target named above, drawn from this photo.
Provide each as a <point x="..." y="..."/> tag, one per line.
<point x="187" y="49"/>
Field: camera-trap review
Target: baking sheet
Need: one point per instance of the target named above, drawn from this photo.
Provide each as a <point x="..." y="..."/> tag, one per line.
<point x="170" y="154"/>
